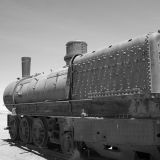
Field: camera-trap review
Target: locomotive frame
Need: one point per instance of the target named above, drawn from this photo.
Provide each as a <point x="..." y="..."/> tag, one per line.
<point x="106" y="101"/>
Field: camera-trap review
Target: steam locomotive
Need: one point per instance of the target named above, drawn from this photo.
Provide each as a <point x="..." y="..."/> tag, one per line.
<point x="107" y="101"/>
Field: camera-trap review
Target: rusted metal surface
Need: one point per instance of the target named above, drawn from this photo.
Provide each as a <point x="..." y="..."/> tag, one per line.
<point x="26" y="63"/>
<point x="108" y="97"/>
<point x="73" y="48"/>
<point x="122" y="69"/>
<point x="45" y="108"/>
<point x="129" y="68"/>
<point x="154" y="41"/>
<point x="37" y="89"/>
<point x="92" y="108"/>
<point x="128" y="135"/>
<point x="116" y="131"/>
<point x="100" y="107"/>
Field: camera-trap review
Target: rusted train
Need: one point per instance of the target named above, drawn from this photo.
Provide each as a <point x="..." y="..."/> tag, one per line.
<point x="107" y="101"/>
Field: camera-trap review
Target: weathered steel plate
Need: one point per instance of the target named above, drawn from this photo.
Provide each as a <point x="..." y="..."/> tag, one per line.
<point x="123" y="69"/>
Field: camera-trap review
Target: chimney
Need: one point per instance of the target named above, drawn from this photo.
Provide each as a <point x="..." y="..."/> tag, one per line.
<point x="73" y="48"/>
<point x="26" y="64"/>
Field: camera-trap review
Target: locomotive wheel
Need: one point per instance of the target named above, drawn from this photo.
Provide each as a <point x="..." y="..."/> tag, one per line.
<point x="25" y="130"/>
<point x="67" y="144"/>
<point x="39" y="132"/>
<point x="13" y="131"/>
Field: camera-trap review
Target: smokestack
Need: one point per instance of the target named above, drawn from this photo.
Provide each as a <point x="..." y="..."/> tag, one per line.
<point x="73" y="48"/>
<point x="26" y="64"/>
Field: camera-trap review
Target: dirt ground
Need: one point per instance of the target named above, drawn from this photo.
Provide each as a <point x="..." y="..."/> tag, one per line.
<point x="11" y="151"/>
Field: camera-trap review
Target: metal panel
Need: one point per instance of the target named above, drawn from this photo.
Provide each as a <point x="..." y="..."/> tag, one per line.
<point x="155" y="61"/>
<point x="42" y="88"/>
<point x="22" y="90"/>
<point x="100" y="108"/>
<point x="30" y="91"/>
<point x="39" y="89"/>
<point x="123" y="69"/>
<point x="25" y="95"/>
<point x="61" y="87"/>
<point x="61" y="108"/>
<point x="50" y="88"/>
<point x="115" y="131"/>
<point x="56" y="85"/>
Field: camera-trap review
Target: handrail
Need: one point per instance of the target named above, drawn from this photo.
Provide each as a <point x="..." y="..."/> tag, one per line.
<point x="71" y="74"/>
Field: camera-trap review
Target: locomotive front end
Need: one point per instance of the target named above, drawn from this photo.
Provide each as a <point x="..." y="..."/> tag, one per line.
<point x="8" y="95"/>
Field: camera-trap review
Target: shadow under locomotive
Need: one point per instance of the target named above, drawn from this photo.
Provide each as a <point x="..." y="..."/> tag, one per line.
<point x="53" y="152"/>
<point x="46" y="153"/>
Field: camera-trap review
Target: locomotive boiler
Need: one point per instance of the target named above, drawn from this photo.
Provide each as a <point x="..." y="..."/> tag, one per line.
<point x="107" y="101"/>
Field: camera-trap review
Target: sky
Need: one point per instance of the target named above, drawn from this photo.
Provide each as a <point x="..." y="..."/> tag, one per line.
<point x="41" y="28"/>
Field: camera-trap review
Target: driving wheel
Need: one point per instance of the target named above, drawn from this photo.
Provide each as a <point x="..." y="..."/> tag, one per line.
<point x="13" y="128"/>
<point x="39" y="132"/>
<point x="25" y="130"/>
